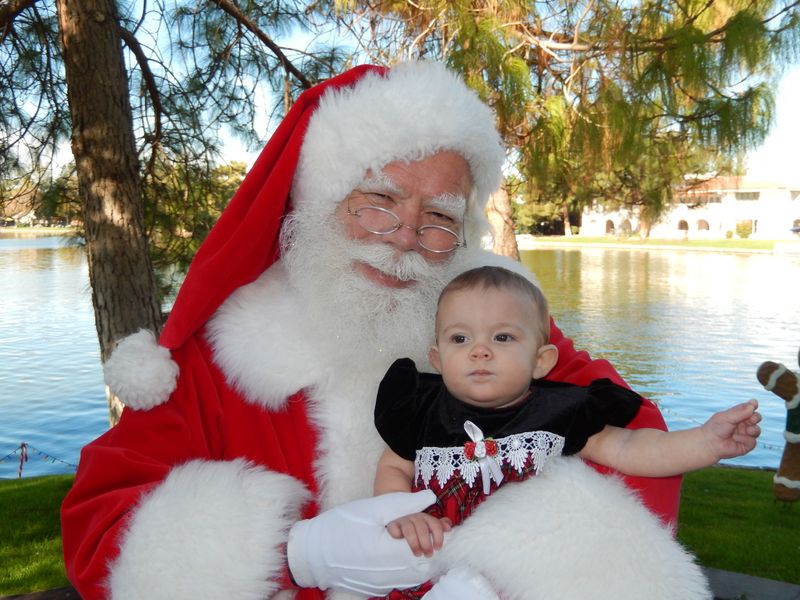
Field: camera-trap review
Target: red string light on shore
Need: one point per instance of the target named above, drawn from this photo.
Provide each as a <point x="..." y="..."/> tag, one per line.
<point x="23" y="458"/>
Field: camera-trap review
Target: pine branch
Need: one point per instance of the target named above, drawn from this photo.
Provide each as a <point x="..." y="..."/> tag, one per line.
<point x="8" y="12"/>
<point x="234" y="11"/>
<point x="149" y="79"/>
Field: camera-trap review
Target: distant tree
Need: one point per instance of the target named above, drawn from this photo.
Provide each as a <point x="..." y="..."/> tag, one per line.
<point x="182" y="202"/>
<point x="592" y="87"/>
<point x="59" y="198"/>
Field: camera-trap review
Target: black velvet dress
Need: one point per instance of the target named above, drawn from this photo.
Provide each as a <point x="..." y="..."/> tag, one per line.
<point x="421" y="421"/>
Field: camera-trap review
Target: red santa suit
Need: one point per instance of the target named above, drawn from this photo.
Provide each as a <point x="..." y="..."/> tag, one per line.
<point x="239" y="422"/>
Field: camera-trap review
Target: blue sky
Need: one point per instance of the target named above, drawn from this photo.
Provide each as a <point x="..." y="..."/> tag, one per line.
<point x="778" y="159"/>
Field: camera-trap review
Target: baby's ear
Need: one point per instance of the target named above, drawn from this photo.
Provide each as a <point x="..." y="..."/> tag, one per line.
<point x="433" y="356"/>
<point x="546" y="359"/>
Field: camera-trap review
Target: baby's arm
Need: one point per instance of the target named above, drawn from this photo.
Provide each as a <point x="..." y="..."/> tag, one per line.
<point x="423" y="532"/>
<point x="654" y="453"/>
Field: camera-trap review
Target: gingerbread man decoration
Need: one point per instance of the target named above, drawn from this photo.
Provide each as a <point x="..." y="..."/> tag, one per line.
<point x="786" y="385"/>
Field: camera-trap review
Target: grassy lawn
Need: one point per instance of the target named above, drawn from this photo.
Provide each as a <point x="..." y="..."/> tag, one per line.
<point x="30" y="534"/>
<point x="728" y="519"/>
<point x="733" y="245"/>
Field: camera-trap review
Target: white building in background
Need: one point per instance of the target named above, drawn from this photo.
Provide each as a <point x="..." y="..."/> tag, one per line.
<point x="712" y="210"/>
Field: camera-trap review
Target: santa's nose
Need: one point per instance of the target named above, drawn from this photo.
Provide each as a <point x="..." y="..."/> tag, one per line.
<point x="405" y="238"/>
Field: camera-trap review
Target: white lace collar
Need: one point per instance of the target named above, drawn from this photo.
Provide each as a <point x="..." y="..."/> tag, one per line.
<point x="514" y="450"/>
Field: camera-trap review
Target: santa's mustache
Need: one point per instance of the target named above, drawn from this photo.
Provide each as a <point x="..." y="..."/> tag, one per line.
<point x="407" y="266"/>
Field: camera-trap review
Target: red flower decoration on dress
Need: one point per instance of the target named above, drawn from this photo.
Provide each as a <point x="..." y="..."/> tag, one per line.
<point x="473" y="450"/>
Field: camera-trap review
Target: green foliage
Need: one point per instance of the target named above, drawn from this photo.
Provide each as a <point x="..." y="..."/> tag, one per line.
<point x="536" y="218"/>
<point x="182" y="203"/>
<point x="30" y="534"/>
<point x="604" y="101"/>
<point x="59" y="201"/>
<point x="744" y="229"/>
<point x="194" y="70"/>
<point x="730" y="520"/>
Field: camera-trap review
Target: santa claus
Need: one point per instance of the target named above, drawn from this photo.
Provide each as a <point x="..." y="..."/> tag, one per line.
<point x="243" y="463"/>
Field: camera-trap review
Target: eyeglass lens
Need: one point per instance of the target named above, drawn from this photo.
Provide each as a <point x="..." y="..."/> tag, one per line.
<point x="382" y="221"/>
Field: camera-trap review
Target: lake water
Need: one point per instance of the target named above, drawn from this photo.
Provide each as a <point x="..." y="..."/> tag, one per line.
<point x="686" y="329"/>
<point x="51" y="385"/>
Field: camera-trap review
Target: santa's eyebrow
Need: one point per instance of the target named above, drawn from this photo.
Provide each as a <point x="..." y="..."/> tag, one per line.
<point x="450" y="203"/>
<point x="378" y="183"/>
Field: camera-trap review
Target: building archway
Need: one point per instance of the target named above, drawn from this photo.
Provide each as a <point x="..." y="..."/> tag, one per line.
<point x="610" y="229"/>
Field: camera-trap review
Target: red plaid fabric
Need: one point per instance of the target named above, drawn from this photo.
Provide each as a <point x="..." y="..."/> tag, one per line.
<point x="456" y="500"/>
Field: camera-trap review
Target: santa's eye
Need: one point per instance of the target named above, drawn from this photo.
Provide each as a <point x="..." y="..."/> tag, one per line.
<point x="380" y="199"/>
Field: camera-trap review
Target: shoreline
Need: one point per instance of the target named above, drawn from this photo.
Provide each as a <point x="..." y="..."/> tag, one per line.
<point x="34" y="231"/>
<point x="527" y="242"/>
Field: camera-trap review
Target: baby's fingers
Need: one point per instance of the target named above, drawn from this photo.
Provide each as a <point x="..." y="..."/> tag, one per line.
<point x="394" y="530"/>
<point x="419" y="535"/>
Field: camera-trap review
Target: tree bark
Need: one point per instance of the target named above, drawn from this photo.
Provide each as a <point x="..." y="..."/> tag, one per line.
<point x="566" y="221"/>
<point x="124" y="291"/>
<point x="498" y="212"/>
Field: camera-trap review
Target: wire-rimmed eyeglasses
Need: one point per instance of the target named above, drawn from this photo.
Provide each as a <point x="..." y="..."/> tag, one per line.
<point x="382" y="221"/>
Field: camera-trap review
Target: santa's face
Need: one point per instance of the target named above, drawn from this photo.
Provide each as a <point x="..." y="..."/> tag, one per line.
<point x="431" y="191"/>
<point x="372" y="297"/>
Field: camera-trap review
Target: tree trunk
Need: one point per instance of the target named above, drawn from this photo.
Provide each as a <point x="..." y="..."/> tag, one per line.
<point x="644" y="228"/>
<point x="566" y="221"/>
<point x="498" y="212"/>
<point x="124" y="292"/>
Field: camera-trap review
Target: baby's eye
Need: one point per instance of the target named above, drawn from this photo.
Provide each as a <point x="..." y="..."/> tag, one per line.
<point x="504" y="337"/>
<point x="458" y="338"/>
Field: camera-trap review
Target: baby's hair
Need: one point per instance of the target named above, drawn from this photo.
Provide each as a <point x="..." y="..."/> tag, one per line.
<point x="490" y="277"/>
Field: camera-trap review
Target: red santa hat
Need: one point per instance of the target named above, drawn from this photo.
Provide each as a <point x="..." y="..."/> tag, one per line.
<point x="336" y="131"/>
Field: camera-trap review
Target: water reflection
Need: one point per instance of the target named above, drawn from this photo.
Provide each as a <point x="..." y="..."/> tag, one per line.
<point x="51" y="390"/>
<point x="687" y="329"/>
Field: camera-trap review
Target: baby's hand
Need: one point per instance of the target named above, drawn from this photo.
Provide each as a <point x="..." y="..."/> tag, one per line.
<point x="423" y="532"/>
<point x="733" y="432"/>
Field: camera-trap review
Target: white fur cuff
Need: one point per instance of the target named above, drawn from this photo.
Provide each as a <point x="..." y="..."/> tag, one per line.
<point x="140" y="372"/>
<point x="211" y="530"/>
<point x="570" y="533"/>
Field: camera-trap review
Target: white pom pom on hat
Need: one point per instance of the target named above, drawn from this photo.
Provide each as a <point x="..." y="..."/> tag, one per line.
<point x="141" y="373"/>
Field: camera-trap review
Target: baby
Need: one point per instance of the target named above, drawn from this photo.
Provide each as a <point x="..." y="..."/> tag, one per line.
<point x="490" y="418"/>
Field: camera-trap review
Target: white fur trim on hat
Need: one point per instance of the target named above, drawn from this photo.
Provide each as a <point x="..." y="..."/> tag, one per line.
<point x="140" y="372"/>
<point x="415" y="110"/>
<point x="210" y="530"/>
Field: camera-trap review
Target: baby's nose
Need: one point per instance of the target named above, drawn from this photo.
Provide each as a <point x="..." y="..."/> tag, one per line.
<point x="480" y="351"/>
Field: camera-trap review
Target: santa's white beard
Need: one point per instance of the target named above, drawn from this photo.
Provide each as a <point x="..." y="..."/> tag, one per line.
<point x="355" y="318"/>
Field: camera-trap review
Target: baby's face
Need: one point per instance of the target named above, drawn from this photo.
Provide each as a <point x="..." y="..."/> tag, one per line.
<point x="487" y="345"/>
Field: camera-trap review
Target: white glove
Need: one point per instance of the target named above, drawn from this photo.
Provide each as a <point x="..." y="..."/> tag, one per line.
<point x="348" y="547"/>
<point x="460" y="583"/>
